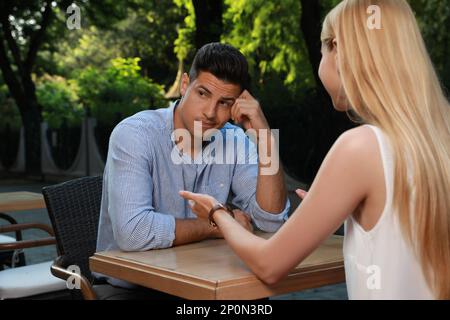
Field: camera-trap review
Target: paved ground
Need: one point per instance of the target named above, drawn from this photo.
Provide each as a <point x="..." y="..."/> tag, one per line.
<point x="36" y="255"/>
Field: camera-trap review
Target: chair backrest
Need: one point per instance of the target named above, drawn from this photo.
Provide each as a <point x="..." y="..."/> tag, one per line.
<point x="74" y="210"/>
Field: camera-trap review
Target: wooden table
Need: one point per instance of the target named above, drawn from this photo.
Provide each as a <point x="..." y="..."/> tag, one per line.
<point x="210" y="270"/>
<point x="23" y="200"/>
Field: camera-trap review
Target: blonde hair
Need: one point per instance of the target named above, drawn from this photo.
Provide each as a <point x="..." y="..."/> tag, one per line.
<point x="390" y="82"/>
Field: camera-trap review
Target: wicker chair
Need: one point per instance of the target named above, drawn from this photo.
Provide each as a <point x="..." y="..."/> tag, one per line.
<point x="74" y="210"/>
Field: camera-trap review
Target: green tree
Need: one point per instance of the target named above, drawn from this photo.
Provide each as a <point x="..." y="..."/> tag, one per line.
<point x="118" y="90"/>
<point x="59" y="100"/>
<point x="27" y="27"/>
<point x="434" y="19"/>
<point x="184" y="44"/>
<point x="269" y="35"/>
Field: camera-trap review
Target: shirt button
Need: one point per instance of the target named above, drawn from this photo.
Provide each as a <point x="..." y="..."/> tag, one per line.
<point x="221" y="185"/>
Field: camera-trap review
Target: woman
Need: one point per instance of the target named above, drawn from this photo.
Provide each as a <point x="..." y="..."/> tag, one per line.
<point x="389" y="179"/>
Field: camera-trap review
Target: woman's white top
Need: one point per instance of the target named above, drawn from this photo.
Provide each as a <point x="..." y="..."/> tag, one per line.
<point x="379" y="264"/>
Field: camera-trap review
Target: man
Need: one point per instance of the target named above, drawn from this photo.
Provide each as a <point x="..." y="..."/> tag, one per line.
<point x="141" y="208"/>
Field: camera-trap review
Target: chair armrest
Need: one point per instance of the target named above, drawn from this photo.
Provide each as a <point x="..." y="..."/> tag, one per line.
<point x="11" y="220"/>
<point x="25" y="226"/>
<point x="59" y="271"/>
<point x="24" y="244"/>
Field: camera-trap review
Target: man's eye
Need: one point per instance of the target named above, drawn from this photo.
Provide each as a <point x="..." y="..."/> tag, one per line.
<point x="225" y="103"/>
<point x="202" y="93"/>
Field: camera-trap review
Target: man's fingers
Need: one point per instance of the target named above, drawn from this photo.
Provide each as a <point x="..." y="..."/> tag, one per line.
<point x="233" y="110"/>
<point x="239" y="106"/>
<point x="245" y="95"/>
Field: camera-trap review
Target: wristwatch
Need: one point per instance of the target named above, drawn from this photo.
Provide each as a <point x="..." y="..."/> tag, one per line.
<point x="216" y="207"/>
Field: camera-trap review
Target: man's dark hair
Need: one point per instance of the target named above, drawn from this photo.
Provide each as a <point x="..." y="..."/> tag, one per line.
<point x="224" y="62"/>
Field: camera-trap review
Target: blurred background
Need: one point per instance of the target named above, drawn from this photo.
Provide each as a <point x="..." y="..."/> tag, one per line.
<point x="71" y="72"/>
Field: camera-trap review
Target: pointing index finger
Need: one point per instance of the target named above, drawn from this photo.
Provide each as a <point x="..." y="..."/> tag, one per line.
<point x="188" y="195"/>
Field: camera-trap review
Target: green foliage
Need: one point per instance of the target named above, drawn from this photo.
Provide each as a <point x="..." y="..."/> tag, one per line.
<point x="268" y="34"/>
<point x="77" y="51"/>
<point x="26" y="16"/>
<point x="434" y="19"/>
<point x="148" y="31"/>
<point x="184" y="42"/>
<point x="118" y="91"/>
<point x="59" y="101"/>
<point x="8" y="109"/>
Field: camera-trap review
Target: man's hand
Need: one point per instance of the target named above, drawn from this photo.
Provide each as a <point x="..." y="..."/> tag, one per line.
<point x="247" y="111"/>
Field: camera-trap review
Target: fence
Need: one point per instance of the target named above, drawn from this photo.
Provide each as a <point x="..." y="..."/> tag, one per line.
<point x="87" y="160"/>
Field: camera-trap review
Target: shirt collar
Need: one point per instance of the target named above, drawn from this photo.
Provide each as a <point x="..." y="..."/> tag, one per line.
<point x="170" y="116"/>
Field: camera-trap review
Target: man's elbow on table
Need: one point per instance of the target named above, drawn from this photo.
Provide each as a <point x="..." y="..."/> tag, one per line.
<point x="133" y="241"/>
<point x="126" y="243"/>
<point x="152" y="231"/>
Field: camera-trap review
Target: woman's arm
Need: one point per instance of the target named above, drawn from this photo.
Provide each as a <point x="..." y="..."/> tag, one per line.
<point x="342" y="183"/>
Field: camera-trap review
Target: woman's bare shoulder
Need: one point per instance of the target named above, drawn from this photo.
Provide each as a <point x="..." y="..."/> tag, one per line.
<point x="360" y="142"/>
<point x="356" y="151"/>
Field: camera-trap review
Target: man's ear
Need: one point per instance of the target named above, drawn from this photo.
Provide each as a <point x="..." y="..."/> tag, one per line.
<point x="184" y="83"/>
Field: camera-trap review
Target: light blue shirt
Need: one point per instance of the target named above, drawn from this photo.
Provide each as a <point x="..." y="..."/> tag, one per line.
<point x="140" y="199"/>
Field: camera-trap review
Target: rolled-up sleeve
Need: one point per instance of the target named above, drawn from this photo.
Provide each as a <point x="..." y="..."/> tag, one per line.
<point x="136" y="225"/>
<point x="244" y="190"/>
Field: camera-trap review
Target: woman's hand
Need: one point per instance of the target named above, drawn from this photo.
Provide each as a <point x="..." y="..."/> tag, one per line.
<point x="301" y="193"/>
<point x="201" y="204"/>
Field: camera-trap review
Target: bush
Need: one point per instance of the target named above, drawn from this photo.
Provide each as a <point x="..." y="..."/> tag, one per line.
<point x="118" y="90"/>
<point x="63" y="113"/>
<point x="8" y="109"/>
<point x="59" y="101"/>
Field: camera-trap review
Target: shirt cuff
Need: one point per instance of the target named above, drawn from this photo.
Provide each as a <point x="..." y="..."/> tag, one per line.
<point x="267" y="221"/>
<point x="165" y="233"/>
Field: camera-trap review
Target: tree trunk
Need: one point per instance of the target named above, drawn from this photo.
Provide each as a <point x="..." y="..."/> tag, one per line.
<point x="208" y="28"/>
<point x="174" y="91"/>
<point x="16" y="69"/>
<point x="31" y="119"/>
<point x="208" y="21"/>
